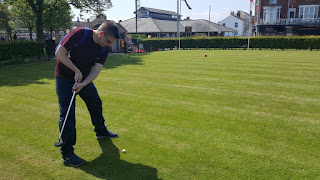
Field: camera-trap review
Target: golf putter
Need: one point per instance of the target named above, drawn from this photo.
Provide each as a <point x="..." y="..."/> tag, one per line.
<point x="59" y="143"/>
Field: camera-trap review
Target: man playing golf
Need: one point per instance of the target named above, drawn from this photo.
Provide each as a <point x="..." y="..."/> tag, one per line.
<point x="77" y="53"/>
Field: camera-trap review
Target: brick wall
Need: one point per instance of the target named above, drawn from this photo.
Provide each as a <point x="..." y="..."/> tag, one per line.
<point x="284" y="6"/>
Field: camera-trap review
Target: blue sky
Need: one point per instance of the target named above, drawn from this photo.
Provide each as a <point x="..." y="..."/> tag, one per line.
<point x="123" y="9"/>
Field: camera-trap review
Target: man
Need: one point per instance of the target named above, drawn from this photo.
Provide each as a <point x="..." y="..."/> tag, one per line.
<point x="74" y="73"/>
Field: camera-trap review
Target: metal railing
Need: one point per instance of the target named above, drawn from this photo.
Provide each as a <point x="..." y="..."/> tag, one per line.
<point x="292" y="21"/>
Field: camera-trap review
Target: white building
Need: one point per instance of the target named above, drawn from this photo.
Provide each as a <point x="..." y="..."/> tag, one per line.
<point x="238" y="22"/>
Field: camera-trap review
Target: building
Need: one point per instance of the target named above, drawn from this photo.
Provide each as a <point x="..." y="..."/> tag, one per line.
<point x="145" y="12"/>
<point x="90" y="22"/>
<point x="239" y="22"/>
<point x="152" y="27"/>
<point x="287" y="17"/>
<point x="163" y="24"/>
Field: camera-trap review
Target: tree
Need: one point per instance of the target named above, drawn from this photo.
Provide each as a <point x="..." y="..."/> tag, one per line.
<point x="23" y="14"/>
<point x="5" y="17"/>
<point x="38" y="7"/>
<point x="97" y="6"/>
<point x="58" y="16"/>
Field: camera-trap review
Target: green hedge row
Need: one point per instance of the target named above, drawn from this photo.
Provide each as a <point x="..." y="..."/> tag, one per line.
<point x="238" y="42"/>
<point x="20" y="50"/>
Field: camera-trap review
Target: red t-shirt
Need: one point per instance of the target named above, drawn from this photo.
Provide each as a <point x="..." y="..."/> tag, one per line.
<point x="83" y="56"/>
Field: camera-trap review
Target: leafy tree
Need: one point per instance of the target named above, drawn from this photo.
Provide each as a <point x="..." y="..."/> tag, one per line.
<point x="58" y="16"/>
<point x="97" y="6"/>
<point x="23" y="15"/>
<point x="5" y="17"/>
<point x="38" y="8"/>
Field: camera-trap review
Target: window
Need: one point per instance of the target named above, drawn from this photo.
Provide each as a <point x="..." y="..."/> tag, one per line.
<point x="308" y="12"/>
<point x="292" y="13"/>
<point x="272" y="1"/>
<point x="224" y="24"/>
<point x="236" y="25"/>
<point x="271" y="14"/>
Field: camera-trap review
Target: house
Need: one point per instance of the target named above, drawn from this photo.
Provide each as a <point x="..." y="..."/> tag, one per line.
<point x="152" y="27"/>
<point x="202" y="26"/>
<point x="239" y="22"/>
<point x="90" y="22"/>
<point x="145" y="12"/>
<point x="287" y="17"/>
<point x="163" y="24"/>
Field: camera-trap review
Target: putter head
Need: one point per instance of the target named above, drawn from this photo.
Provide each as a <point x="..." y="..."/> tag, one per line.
<point x="58" y="144"/>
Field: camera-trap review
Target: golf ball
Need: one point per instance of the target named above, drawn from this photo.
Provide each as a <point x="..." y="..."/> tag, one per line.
<point x="124" y="151"/>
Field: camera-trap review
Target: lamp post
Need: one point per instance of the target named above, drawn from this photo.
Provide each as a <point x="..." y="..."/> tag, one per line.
<point x="178" y="19"/>
<point x="209" y="21"/>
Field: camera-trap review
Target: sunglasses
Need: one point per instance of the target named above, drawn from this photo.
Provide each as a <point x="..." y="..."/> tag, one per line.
<point x="108" y="41"/>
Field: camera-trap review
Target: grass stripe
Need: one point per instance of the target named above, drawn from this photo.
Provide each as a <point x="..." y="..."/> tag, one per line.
<point x="233" y="115"/>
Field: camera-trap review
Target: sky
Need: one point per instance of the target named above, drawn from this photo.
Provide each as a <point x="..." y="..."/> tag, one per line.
<point x="220" y="9"/>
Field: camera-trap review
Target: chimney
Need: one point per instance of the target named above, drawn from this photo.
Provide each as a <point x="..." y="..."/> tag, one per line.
<point x="232" y="13"/>
<point x="78" y="20"/>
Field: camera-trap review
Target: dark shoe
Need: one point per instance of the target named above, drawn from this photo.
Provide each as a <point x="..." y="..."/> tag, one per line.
<point x="73" y="160"/>
<point x="107" y="134"/>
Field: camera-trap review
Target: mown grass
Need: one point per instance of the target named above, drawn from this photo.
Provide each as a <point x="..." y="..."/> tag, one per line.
<point x="232" y="115"/>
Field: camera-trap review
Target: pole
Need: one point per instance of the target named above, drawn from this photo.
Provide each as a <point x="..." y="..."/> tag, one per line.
<point x="178" y="19"/>
<point x="258" y="17"/>
<point x="209" y="20"/>
<point x="178" y="32"/>
<point x="136" y="17"/>
<point x="179" y="23"/>
<point x="249" y="32"/>
<point x="288" y="18"/>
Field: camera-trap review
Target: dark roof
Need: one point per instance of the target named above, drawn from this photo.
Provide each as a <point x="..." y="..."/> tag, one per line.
<point x="159" y="11"/>
<point x="238" y="17"/>
<point x="168" y="26"/>
<point x="151" y="25"/>
<point x="202" y="25"/>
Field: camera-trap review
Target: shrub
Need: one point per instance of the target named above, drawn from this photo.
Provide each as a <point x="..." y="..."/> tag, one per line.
<point x="238" y="42"/>
<point x="20" y="50"/>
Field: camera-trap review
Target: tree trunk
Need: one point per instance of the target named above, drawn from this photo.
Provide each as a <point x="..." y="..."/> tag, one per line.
<point x="9" y="30"/>
<point x="10" y="34"/>
<point x="30" y="33"/>
<point x="51" y="29"/>
<point x="37" y="9"/>
<point x="39" y="25"/>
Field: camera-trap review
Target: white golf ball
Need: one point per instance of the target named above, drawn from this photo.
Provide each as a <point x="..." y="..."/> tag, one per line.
<point x="124" y="151"/>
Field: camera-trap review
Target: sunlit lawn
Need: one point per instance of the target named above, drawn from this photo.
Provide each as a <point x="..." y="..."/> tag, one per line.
<point x="180" y="115"/>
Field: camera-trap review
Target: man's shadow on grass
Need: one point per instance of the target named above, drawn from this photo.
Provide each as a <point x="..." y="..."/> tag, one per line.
<point x="109" y="165"/>
<point x="115" y="61"/>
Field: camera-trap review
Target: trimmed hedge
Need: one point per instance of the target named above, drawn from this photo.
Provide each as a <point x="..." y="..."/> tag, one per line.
<point x="238" y="42"/>
<point x="20" y="50"/>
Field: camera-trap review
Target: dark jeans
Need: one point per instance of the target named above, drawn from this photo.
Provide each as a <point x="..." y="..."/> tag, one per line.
<point x="90" y="96"/>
